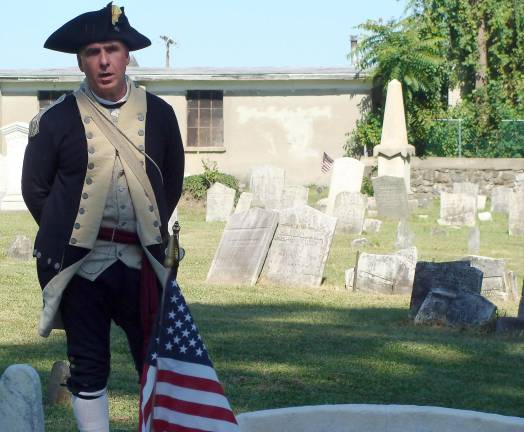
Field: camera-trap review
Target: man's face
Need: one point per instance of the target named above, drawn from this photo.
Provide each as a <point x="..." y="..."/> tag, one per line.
<point x="104" y="65"/>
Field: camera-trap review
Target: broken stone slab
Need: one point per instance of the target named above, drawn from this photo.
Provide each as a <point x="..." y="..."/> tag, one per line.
<point x="452" y="276"/>
<point x="21" y="248"/>
<point x="456" y="308"/>
<point x="386" y="274"/>
<point x="493" y="276"/>
<point x="21" y="407"/>
<point x="485" y="216"/>
<point x="372" y="225"/>
<point x="57" y="392"/>
<point x="510" y="324"/>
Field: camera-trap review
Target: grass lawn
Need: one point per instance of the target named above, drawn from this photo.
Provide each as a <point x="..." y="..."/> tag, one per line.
<point x="278" y="346"/>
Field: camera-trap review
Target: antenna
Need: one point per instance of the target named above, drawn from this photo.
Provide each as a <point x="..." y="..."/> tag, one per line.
<point x="168" y="41"/>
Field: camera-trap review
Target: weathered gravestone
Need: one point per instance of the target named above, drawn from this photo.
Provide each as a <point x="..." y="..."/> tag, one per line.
<point x="15" y="139"/>
<point x="21" y="248"/>
<point x="244" y="202"/>
<point x="481" y="202"/>
<point x="500" y="196"/>
<point x="466" y="188"/>
<point x="267" y="185"/>
<point x="384" y="274"/>
<point x="405" y="235"/>
<point x="243" y="247"/>
<point x="516" y="214"/>
<point x="496" y="283"/>
<point x="474" y="241"/>
<point x="294" y="196"/>
<point x="455" y="308"/>
<point x="220" y="202"/>
<point x="391" y="196"/>
<point x="300" y="247"/>
<point x="453" y="276"/>
<point x="350" y="208"/>
<point x="57" y="391"/>
<point x="346" y="176"/>
<point x="21" y="400"/>
<point x="371" y="225"/>
<point x="457" y="209"/>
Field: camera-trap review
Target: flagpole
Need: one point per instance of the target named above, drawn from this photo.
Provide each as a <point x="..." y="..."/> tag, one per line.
<point x="171" y="263"/>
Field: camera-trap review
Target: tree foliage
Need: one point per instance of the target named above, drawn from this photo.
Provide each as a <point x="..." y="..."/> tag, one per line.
<point x="474" y="45"/>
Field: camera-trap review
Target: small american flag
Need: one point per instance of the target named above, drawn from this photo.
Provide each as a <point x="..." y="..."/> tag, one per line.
<point x="180" y="391"/>
<point x="327" y="162"/>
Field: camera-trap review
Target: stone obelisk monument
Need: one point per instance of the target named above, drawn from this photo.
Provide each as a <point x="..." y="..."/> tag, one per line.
<point x="394" y="153"/>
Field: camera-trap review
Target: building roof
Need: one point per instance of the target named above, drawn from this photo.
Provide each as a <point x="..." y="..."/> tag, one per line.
<point x="191" y="74"/>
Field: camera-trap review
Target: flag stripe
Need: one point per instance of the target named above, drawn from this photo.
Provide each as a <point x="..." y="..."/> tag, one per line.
<point x="193" y="408"/>
<point x="186" y="368"/>
<point x="192" y="395"/>
<point x="164" y="426"/>
<point x="189" y="382"/>
<point x="192" y="421"/>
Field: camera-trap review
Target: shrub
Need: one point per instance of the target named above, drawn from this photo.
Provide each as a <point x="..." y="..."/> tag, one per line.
<point x="197" y="185"/>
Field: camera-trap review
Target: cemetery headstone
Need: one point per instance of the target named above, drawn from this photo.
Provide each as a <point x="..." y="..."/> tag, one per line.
<point x="244" y="202"/>
<point x="405" y="235"/>
<point x="386" y="274"/>
<point x="220" y="202"/>
<point x="346" y="176"/>
<point x="516" y="214"/>
<point x="481" y="202"/>
<point x="15" y="138"/>
<point x="21" y="248"/>
<point x="350" y="208"/>
<point x="294" y="196"/>
<point x="243" y="247"/>
<point x="474" y="241"/>
<point x="494" y="276"/>
<point x="485" y="216"/>
<point x="451" y="276"/>
<point x="500" y="196"/>
<point x="457" y="209"/>
<point x="372" y="225"/>
<point x="267" y="185"/>
<point x="455" y="308"/>
<point x="21" y="400"/>
<point x="57" y="392"/>
<point x="391" y="197"/>
<point x="300" y="247"/>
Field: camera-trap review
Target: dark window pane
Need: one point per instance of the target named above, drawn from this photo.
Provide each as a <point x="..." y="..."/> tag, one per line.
<point x="205" y="103"/>
<point x="205" y="118"/>
<point x="192" y="118"/>
<point x="217" y="103"/>
<point x="192" y="103"/>
<point x="192" y="137"/>
<point x="216" y="118"/>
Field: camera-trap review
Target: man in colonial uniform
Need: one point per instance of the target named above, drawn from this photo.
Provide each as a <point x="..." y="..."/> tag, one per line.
<point x="102" y="173"/>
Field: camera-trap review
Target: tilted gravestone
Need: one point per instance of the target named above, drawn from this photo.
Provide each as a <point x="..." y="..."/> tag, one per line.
<point x="495" y="278"/>
<point x="300" y="247"/>
<point x="219" y="203"/>
<point x="385" y="274"/>
<point x="350" y="209"/>
<point x="391" y="197"/>
<point x="516" y="214"/>
<point x="243" y="247"/>
<point x="455" y="308"/>
<point x="267" y="185"/>
<point x="500" y="196"/>
<point x="244" y="202"/>
<point x="457" y="209"/>
<point x="347" y="174"/>
<point x="294" y="196"/>
<point x="21" y="248"/>
<point x="452" y="276"/>
<point x="21" y="400"/>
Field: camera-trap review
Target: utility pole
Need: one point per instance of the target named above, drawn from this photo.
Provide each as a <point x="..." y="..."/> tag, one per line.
<point x="168" y="41"/>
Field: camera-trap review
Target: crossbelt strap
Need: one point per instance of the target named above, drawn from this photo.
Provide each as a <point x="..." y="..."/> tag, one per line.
<point x="120" y="141"/>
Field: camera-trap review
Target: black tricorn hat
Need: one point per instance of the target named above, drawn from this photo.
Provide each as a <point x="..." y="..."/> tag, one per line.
<point x="109" y="23"/>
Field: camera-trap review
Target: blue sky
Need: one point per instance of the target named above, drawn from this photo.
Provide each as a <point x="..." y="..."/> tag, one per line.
<point x="219" y="33"/>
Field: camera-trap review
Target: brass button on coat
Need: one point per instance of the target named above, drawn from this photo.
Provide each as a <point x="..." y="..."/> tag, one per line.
<point x="91" y="150"/>
<point x="141" y="132"/>
<point x="85" y="195"/>
<point x="89" y="180"/>
<point x="73" y="240"/>
<point x="87" y="120"/>
<point x="81" y="210"/>
<point x="89" y="135"/>
<point x="77" y="226"/>
<point x="140" y="117"/>
<point x="90" y="165"/>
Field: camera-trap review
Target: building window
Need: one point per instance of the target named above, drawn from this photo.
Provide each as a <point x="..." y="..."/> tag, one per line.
<point x="205" y="124"/>
<point x="47" y="97"/>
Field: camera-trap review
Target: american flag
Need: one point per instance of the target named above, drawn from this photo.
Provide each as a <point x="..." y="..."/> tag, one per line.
<point x="180" y="391"/>
<point x="327" y="162"/>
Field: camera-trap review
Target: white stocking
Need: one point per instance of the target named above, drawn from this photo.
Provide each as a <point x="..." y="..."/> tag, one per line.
<point x="92" y="415"/>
